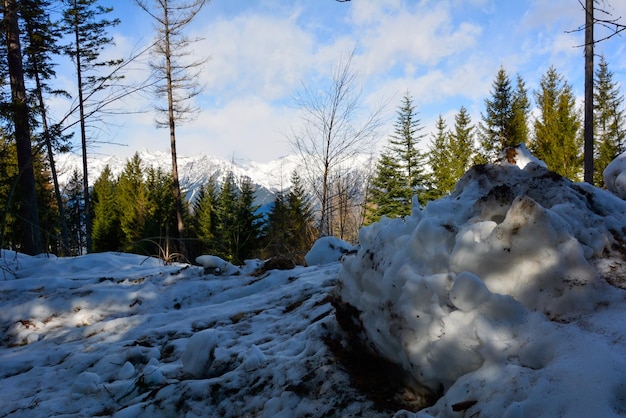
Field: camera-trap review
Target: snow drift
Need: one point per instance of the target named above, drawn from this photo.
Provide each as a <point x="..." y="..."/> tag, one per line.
<point x="473" y="295"/>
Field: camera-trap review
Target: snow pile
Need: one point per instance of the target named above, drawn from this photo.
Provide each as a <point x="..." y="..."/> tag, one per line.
<point x="483" y="294"/>
<point x="615" y="176"/>
<point x="327" y="250"/>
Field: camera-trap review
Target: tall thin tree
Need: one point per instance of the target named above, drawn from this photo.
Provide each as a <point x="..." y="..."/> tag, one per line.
<point x="82" y="20"/>
<point x="20" y="114"/>
<point x="177" y="78"/>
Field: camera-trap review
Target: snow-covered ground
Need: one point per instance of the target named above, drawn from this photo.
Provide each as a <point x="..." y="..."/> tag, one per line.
<point x="503" y="299"/>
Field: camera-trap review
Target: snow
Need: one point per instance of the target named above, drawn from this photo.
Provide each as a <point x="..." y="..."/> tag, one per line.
<point x="615" y="176"/>
<point x="327" y="250"/>
<point x="503" y="299"/>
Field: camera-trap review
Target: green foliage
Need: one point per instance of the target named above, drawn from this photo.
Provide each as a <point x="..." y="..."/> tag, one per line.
<point x="75" y="213"/>
<point x="451" y="154"/>
<point x="557" y="128"/>
<point x="106" y="220"/>
<point x="205" y="216"/>
<point x="504" y="122"/>
<point x="289" y="228"/>
<point x="132" y="202"/>
<point x="399" y="172"/>
<point x="608" y="118"/>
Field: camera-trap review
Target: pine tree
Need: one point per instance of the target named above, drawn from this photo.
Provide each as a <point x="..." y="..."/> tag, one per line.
<point x="75" y="212"/>
<point x="42" y="36"/>
<point x="160" y="213"/>
<point x="389" y="195"/>
<point x="20" y="114"/>
<point x="505" y="121"/>
<point x="461" y="143"/>
<point x="442" y="179"/>
<point x="301" y="231"/>
<point x="106" y="222"/>
<point x="227" y="218"/>
<point x="403" y="144"/>
<point x="131" y="200"/>
<point x="205" y="216"/>
<point x="277" y="228"/>
<point x="557" y="129"/>
<point x="520" y="108"/>
<point x="82" y="22"/>
<point x="608" y="120"/>
<point x="247" y="225"/>
<point x="399" y="172"/>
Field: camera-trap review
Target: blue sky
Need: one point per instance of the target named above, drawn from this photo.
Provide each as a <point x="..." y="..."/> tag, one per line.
<point x="445" y="53"/>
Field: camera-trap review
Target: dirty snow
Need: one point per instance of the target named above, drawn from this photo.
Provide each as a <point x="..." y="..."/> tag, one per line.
<point x="503" y="299"/>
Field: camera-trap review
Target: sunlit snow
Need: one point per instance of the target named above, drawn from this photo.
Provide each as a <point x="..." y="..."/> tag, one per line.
<point x="503" y="299"/>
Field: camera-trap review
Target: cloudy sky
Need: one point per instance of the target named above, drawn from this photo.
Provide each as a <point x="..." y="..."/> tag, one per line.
<point x="261" y="53"/>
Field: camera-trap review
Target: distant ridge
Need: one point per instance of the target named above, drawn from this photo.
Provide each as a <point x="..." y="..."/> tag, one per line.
<point x="194" y="171"/>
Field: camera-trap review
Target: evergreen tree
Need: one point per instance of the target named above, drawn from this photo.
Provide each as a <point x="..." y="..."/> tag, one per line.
<point x="557" y="129"/>
<point x="205" y="216"/>
<point x="227" y="209"/>
<point x="440" y="159"/>
<point x="42" y="37"/>
<point x="276" y="227"/>
<point x="399" y="172"/>
<point x="75" y="212"/>
<point x="160" y="216"/>
<point x="10" y="232"/>
<point x="461" y="143"/>
<point x="83" y="23"/>
<point x="403" y="144"/>
<point x="520" y="108"/>
<point x="247" y="225"/>
<point x="302" y="220"/>
<point x="389" y="194"/>
<point x="608" y="120"/>
<point x="20" y="116"/>
<point x="106" y="218"/>
<point x="504" y="123"/>
<point x="131" y="201"/>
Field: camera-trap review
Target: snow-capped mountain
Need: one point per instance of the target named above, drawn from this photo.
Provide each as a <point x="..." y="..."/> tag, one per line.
<point x="193" y="170"/>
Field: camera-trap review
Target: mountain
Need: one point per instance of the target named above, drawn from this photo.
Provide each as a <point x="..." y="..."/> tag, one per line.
<point x="193" y="171"/>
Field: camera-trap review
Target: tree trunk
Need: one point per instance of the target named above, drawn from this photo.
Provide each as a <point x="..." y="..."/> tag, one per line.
<point x="172" y="127"/>
<point x="26" y="178"/>
<point x="588" y="124"/>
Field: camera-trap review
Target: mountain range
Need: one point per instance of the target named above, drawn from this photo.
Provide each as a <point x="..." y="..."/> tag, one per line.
<point x="194" y="171"/>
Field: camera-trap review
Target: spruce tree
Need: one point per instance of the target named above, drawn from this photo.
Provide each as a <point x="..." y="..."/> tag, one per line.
<point x="247" y="224"/>
<point x="227" y="218"/>
<point x="205" y="216"/>
<point x="399" y="172"/>
<point x="106" y="217"/>
<point x="276" y="231"/>
<point x="131" y="200"/>
<point x="608" y="117"/>
<point x="461" y="143"/>
<point x="160" y="214"/>
<point x="442" y="178"/>
<point x="558" y="140"/>
<point x="75" y="212"/>
<point x="389" y="194"/>
<point x="505" y="121"/>
<point x="302" y="220"/>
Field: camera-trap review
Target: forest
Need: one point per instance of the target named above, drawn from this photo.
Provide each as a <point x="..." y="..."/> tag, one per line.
<point x="142" y="209"/>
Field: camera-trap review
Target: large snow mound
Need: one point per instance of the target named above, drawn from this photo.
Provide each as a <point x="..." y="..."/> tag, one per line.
<point x="479" y="294"/>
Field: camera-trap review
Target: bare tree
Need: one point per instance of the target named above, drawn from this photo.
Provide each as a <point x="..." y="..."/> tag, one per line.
<point x="177" y="78"/>
<point x="332" y="132"/>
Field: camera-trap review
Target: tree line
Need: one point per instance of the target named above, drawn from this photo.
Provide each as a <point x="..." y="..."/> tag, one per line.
<point x="329" y="196"/>
<point x="554" y="135"/>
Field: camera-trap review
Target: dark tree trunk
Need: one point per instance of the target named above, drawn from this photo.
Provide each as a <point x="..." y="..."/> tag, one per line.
<point x="31" y="240"/>
<point x="588" y="124"/>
